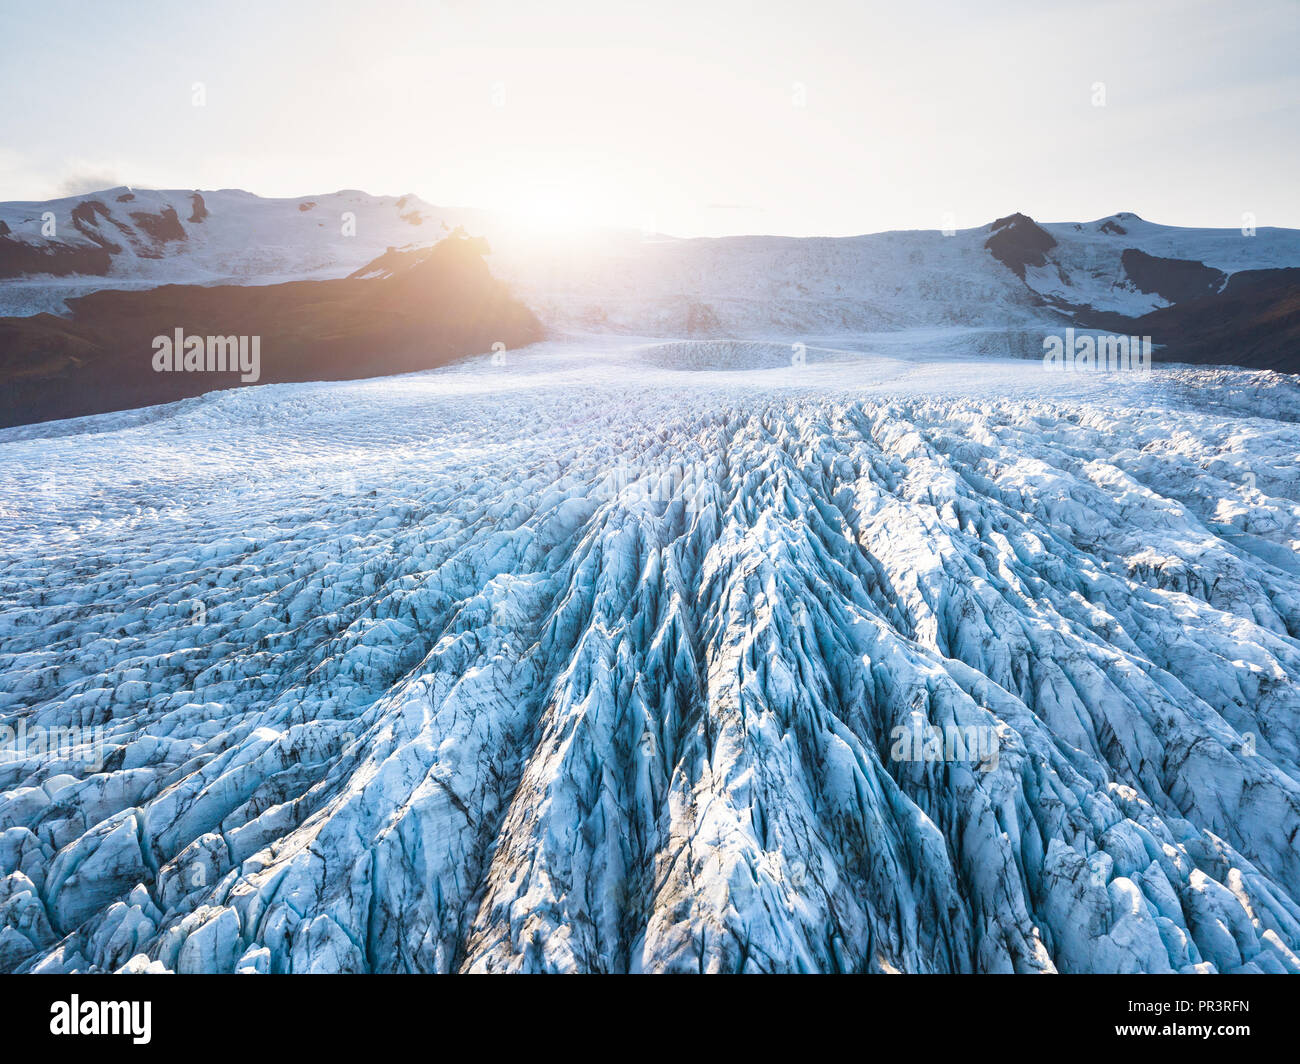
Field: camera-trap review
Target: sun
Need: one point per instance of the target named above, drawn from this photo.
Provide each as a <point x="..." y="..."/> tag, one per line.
<point x="559" y="212"/>
<point x="554" y="208"/>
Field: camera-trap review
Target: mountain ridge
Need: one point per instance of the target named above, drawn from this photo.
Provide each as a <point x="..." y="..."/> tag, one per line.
<point x="100" y="357"/>
<point x="1010" y="284"/>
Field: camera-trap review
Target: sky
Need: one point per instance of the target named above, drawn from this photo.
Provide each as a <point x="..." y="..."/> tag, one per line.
<point x="811" y="118"/>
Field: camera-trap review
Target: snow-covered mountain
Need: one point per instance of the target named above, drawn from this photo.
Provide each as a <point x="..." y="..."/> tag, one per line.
<point x="140" y="238"/>
<point x="1012" y="276"/>
<point x="990" y="276"/>
<point x="617" y="657"/>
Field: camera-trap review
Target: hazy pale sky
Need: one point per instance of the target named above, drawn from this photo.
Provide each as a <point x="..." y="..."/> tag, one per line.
<point x="804" y="118"/>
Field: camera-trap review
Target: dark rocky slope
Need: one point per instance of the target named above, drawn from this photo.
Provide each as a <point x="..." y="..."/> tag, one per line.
<point x="101" y="358"/>
<point x="1254" y="322"/>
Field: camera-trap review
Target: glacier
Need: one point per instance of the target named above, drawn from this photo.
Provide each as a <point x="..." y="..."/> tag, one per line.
<point x="597" y="661"/>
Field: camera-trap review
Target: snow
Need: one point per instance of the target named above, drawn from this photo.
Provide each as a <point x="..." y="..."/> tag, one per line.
<point x="1085" y="265"/>
<point x="593" y="661"/>
<point x="245" y="239"/>
<point x="608" y="280"/>
<point x="762" y="287"/>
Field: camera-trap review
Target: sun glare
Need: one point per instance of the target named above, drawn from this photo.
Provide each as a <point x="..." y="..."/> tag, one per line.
<point x="555" y="209"/>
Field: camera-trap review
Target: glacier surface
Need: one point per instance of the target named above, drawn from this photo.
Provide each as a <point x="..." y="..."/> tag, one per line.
<point x="599" y="660"/>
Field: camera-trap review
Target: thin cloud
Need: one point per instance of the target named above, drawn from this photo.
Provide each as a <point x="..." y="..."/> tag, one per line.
<point x="88" y="180"/>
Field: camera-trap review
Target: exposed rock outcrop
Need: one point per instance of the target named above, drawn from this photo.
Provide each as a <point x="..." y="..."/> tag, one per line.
<point x="1176" y="280"/>
<point x="1018" y="241"/>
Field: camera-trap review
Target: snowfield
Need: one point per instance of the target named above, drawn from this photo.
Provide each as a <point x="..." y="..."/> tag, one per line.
<point x="607" y="659"/>
<point x="624" y="281"/>
<point x="226" y="236"/>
